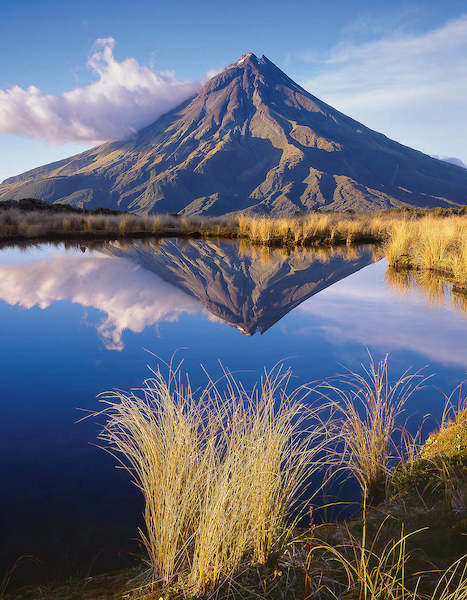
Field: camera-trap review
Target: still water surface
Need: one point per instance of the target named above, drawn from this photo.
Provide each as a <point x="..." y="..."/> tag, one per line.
<point x="77" y="320"/>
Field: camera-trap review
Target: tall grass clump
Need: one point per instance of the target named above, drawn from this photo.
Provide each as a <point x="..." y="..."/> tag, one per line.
<point x="222" y="471"/>
<point x="399" y="243"/>
<point x="432" y="243"/>
<point x="364" y="569"/>
<point x="367" y="407"/>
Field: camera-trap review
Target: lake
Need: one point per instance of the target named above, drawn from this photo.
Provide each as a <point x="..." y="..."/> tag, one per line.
<point x="79" y="319"/>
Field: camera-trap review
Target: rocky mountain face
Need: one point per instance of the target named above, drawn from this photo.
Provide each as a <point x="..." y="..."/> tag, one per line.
<point x="251" y="289"/>
<point x="251" y="140"/>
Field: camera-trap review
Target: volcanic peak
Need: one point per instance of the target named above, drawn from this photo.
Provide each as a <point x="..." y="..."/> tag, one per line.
<point x="251" y="140"/>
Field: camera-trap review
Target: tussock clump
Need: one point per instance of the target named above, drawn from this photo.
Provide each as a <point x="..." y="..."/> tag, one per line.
<point x="375" y="564"/>
<point x="432" y="243"/>
<point x="221" y="472"/>
<point x="367" y="408"/>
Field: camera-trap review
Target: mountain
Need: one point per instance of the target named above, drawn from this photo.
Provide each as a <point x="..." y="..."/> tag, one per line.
<point x="254" y="140"/>
<point x="247" y="290"/>
<point x="453" y="160"/>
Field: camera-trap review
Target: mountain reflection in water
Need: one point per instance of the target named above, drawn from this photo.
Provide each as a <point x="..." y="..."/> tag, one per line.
<point x="141" y="283"/>
<point x="248" y="287"/>
<point x="166" y="296"/>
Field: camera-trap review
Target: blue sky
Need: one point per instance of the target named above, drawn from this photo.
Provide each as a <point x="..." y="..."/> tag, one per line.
<point x="101" y="69"/>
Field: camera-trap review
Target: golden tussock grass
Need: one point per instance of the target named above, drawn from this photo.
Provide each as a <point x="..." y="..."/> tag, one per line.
<point x="221" y="473"/>
<point x="435" y="244"/>
<point x="427" y="242"/>
<point x="224" y="472"/>
<point x="364" y="567"/>
<point x="361" y="570"/>
<point x="366" y="559"/>
<point x="367" y="407"/>
<point x="413" y="239"/>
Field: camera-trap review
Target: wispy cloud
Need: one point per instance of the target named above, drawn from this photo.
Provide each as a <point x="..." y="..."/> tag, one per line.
<point x="125" y="97"/>
<point x="452" y="159"/>
<point x="362" y="309"/>
<point x="412" y="86"/>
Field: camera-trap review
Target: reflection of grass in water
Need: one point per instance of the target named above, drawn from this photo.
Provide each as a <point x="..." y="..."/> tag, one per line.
<point x="422" y="239"/>
<point x="426" y="241"/>
<point x="434" y="288"/>
<point x="278" y="255"/>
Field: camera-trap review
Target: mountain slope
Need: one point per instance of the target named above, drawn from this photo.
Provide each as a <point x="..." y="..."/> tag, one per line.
<point x="254" y="140"/>
<point x="247" y="290"/>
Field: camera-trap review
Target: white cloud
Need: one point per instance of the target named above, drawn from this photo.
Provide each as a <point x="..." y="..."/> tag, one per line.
<point x="128" y="296"/>
<point x="125" y="97"/>
<point x="412" y="87"/>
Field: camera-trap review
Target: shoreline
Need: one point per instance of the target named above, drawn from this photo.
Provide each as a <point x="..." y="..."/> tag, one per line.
<point x="391" y="540"/>
<point x="424" y="243"/>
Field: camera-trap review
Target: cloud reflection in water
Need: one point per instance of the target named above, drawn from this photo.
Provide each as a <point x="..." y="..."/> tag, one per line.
<point x="129" y="296"/>
<point x="367" y="309"/>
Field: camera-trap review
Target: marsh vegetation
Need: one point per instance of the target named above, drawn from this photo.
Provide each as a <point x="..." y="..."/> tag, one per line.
<point x="232" y="481"/>
<point x="433" y="240"/>
<point x="245" y="489"/>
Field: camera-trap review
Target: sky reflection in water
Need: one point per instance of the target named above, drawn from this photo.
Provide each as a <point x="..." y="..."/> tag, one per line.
<point x="76" y="323"/>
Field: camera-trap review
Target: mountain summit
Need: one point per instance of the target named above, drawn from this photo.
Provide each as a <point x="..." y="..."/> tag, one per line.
<point x="244" y="289"/>
<point x="251" y="139"/>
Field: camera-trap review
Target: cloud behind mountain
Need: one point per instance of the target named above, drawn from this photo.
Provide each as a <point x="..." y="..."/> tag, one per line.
<point x="251" y="139"/>
<point x="453" y="160"/>
<point x="125" y="97"/>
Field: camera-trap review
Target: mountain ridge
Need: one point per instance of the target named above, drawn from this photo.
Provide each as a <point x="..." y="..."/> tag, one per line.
<point x="251" y="140"/>
<point x="247" y="291"/>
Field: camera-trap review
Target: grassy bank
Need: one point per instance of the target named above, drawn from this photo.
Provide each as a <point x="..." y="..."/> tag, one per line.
<point x="434" y="240"/>
<point x="230" y="480"/>
<point x="430" y="243"/>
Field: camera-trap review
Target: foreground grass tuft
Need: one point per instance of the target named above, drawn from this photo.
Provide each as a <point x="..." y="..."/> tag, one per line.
<point x="224" y="476"/>
<point x="221" y="473"/>
<point x="367" y="407"/>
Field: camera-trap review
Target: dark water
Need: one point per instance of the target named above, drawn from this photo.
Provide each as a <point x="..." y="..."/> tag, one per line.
<point x="77" y="321"/>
